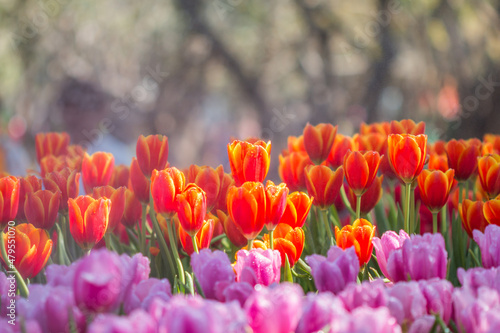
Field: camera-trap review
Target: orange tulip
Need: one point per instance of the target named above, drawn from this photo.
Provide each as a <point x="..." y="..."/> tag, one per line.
<point x="97" y="170"/>
<point x="438" y="162"/>
<point x="209" y="180"/>
<point x="489" y="174"/>
<point x="51" y="163"/>
<point x="360" y="170"/>
<point x="438" y="148"/>
<point x="165" y="185"/>
<point x="67" y="182"/>
<point x="323" y="184"/>
<point x="226" y="183"/>
<point x="318" y="141"/>
<point x="51" y="143"/>
<point x="472" y="216"/>
<point x="372" y="141"/>
<point x="289" y="242"/>
<point x="381" y="128"/>
<point x="28" y="184"/>
<point x="276" y="196"/>
<point x="369" y="199"/>
<point x="491" y="211"/>
<point x="88" y="220"/>
<point x="191" y="208"/>
<point x="32" y="251"/>
<point x="407" y="154"/>
<point x="133" y="209"/>
<point x="9" y="199"/>
<point x="491" y="144"/>
<point x="138" y="182"/>
<point x="41" y="208"/>
<point x="247" y="207"/>
<point x="249" y="162"/>
<point x="117" y="197"/>
<point x="462" y="157"/>
<point x="298" y="205"/>
<point x="231" y="230"/>
<point x="407" y="126"/>
<point x="435" y="187"/>
<point x="120" y="177"/>
<point x="359" y="235"/>
<point x="203" y="237"/>
<point x="291" y="170"/>
<point x="341" y="145"/>
<point x="296" y="144"/>
<point x="152" y="153"/>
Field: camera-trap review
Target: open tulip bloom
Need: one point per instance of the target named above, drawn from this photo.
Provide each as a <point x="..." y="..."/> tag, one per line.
<point x="381" y="231"/>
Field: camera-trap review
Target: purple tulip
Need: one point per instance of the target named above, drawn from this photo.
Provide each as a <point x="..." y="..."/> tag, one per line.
<point x="396" y="266"/>
<point x="60" y="275"/>
<point x="489" y="243"/>
<point x="145" y="292"/>
<point x="423" y="324"/>
<point x="8" y="287"/>
<point x="475" y="278"/>
<point x="320" y="310"/>
<point x="385" y="245"/>
<point x="336" y="271"/>
<point x="258" y="266"/>
<point x="406" y="302"/>
<point x="476" y="313"/>
<point x="425" y="257"/>
<point x="137" y="321"/>
<point x="133" y="270"/>
<point x="371" y="294"/>
<point x="275" y="309"/>
<point x="366" y="319"/>
<point x="438" y="294"/>
<point x="236" y="291"/>
<point x="212" y="269"/>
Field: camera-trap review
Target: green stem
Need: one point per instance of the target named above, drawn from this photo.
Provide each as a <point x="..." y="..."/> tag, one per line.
<point x="412" y="211"/>
<point x="195" y="244"/>
<point x="434" y="222"/>
<point x="407" y="208"/>
<point x="142" y="230"/>
<point x="61" y="248"/>
<point x="107" y="240"/>
<point x="323" y="215"/>
<point x="87" y="252"/>
<point x="271" y="239"/>
<point x="443" y="221"/>
<point x="346" y="202"/>
<point x="358" y="207"/>
<point x="249" y="244"/>
<point x="173" y="246"/>
<point x="21" y="284"/>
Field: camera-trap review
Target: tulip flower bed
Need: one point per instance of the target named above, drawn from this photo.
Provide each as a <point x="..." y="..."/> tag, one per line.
<point x="380" y="232"/>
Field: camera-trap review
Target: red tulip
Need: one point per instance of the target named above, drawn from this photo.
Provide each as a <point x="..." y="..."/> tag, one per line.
<point x="133" y="209"/>
<point x="67" y="182"/>
<point x="370" y="198"/>
<point x="276" y="196"/>
<point x="341" y="145"/>
<point x="138" y="182"/>
<point x="117" y="197"/>
<point x="203" y="237"/>
<point x="407" y="154"/>
<point x="291" y="170"/>
<point x="226" y="183"/>
<point x="372" y="141"/>
<point x="120" y="177"/>
<point x="152" y="153"/>
<point x="360" y="170"/>
<point x="323" y="184"/>
<point x="489" y="174"/>
<point x="318" y="141"/>
<point x="97" y="170"/>
<point x="28" y="184"/>
<point x="462" y="157"/>
<point x="435" y="187"/>
<point x="88" y="220"/>
<point x="231" y="230"/>
<point x="472" y="216"/>
<point x="52" y="143"/>
<point x="380" y="128"/>
<point x="247" y="207"/>
<point x="249" y="162"/>
<point x="298" y="205"/>
<point x="296" y="144"/>
<point x="491" y="211"/>
<point x="289" y="242"/>
<point x="165" y="185"/>
<point x="438" y="162"/>
<point x="191" y="208"/>
<point x="407" y="126"/>
<point x="41" y="208"/>
<point x="209" y="180"/>
<point x="9" y="199"/>
<point x="359" y="235"/>
<point x="51" y="163"/>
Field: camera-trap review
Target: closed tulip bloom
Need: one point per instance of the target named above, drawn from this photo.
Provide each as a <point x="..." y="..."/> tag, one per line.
<point x="9" y="199"/>
<point x="120" y="177"/>
<point x="298" y="205"/>
<point x="41" y="208"/>
<point x="380" y="128"/>
<point x="133" y="209"/>
<point x="247" y="207"/>
<point x="51" y="163"/>
<point x="425" y="257"/>
<point x="289" y="242"/>
<point x="276" y="197"/>
<point x="438" y="162"/>
<point x="291" y="170"/>
<point x="258" y="266"/>
<point x="191" y="208"/>
<point x="489" y="243"/>
<point x="319" y="310"/>
<point x="435" y="187"/>
<point x="165" y="186"/>
<point x="139" y="183"/>
<point x="212" y="269"/>
<point x="210" y="180"/>
<point x="360" y="170"/>
<point x="296" y="143"/>
<point x="323" y="184"/>
<point x="33" y="249"/>
<point x="407" y="126"/>
<point x="152" y="153"/>
<point x="67" y="182"/>
<point x="88" y="220"/>
<point x="318" y="141"/>
<point x="384" y="246"/>
<point x="226" y="182"/>
<point x="491" y="211"/>
<point x="373" y="141"/>
<point x="359" y="235"/>
<point x="341" y="145"/>
<point x="407" y="154"/>
<point x="370" y="198"/>
<point x="97" y="170"/>
<point x="462" y="157"/>
<point x="472" y="215"/>
<point x="407" y="302"/>
<point x="489" y="174"/>
<point x="249" y="161"/>
<point x="231" y="230"/>
<point x="117" y="197"/>
<point x="203" y="237"/>
<point x="28" y="184"/>
<point x="51" y="143"/>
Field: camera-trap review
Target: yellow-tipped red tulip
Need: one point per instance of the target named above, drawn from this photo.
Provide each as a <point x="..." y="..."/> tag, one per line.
<point x="191" y="208"/>
<point x="249" y="161"/>
<point x="120" y="177"/>
<point x="298" y="205"/>
<point x="152" y="153"/>
<point x="323" y="184"/>
<point x="231" y="230"/>
<point x="359" y="235"/>
<point x="489" y="174"/>
<point x="341" y="145"/>
<point x="32" y="251"/>
<point x="203" y="237"/>
<point x="209" y="180"/>
<point x="51" y="143"/>
<point x="472" y="216"/>
<point x="67" y="182"/>
<point x="9" y="199"/>
<point x="41" y="208"/>
<point x="369" y="199"/>
<point x="462" y="157"/>
<point x="97" y="170"/>
<point x="435" y="187"/>
<point x="28" y="184"/>
<point x="291" y="170"/>
<point x="138" y="182"/>
<point x="491" y="211"/>
<point x="289" y="242"/>
<point x="51" y="163"/>
<point x="407" y="126"/>
<point x="165" y="186"/>
<point x="407" y="154"/>
<point x="360" y="170"/>
<point x="438" y="162"/>
<point x="133" y="209"/>
<point x="88" y="220"/>
<point x="318" y="141"/>
<point x="276" y="196"/>
<point x="117" y="197"/>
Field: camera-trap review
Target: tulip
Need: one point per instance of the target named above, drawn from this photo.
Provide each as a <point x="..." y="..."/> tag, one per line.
<point x="381" y="128"/>
<point x="360" y="236"/>
<point x="289" y="242"/>
<point x="203" y="237"/>
<point x="296" y="143"/>
<point x="491" y="211"/>
<point x="319" y="310"/>
<point x="9" y="199"/>
<point x="143" y="295"/>
<point x="407" y="154"/>
<point x="191" y="209"/>
<point x="336" y="271"/>
<point x="489" y="174"/>
<point x="52" y="143"/>
<point x="276" y="198"/>
<point x="407" y="126"/>
<point x="489" y="243"/>
<point x="247" y="208"/>
<point x="249" y="162"/>
<point x="298" y="205"/>
<point x="41" y="208"/>
<point x="138" y="182"/>
<point x="231" y="230"/>
<point x="438" y="162"/>
<point x="88" y="220"/>
<point x="373" y="141"/>
<point x="323" y="184"/>
<point x="32" y="249"/>
<point x="258" y="266"/>
<point x="291" y="169"/>
<point x="67" y="182"/>
<point x="318" y="141"/>
<point x="226" y="182"/>
<point x="120" y="177"/>
<point x="236" y="291"/>
<point x="371" y="294"/>
<point x="341" y="145"/>
<point x="360" y="170"/>
<point x="210" y="180"/>
<point x="117" y="197"/>
<point x="407" y="302"/>
<point x="369" y="199"/>
<point x="438" y="294"/>
<point x="97" y="170"/>
<point x="152" y="153"/>
<point x="212" y="269"/>
<point x="384" y="246"/>
<point x="165" y="186"/>
<point x="425" y="257"/>
<point x="133" y="209"/>
<point x="136" y="321"/>
<point x="472" y="216"/>
<point x="462" y="157"/>
<point x="28" y="184"/>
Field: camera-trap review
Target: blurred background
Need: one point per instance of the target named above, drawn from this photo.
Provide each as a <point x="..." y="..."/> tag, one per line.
<point x="202" y="72"/>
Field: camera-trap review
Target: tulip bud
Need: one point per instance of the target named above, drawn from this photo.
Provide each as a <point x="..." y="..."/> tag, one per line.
<point x="41" y="208"/>
<point x="249" y="162"/>
<point x="318" y="141"/>
<point x="97" y="170"/>
<point x="152" y="153"/>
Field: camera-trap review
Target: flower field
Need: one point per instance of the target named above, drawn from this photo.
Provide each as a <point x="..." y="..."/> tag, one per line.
<point x="379" y="232"/>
